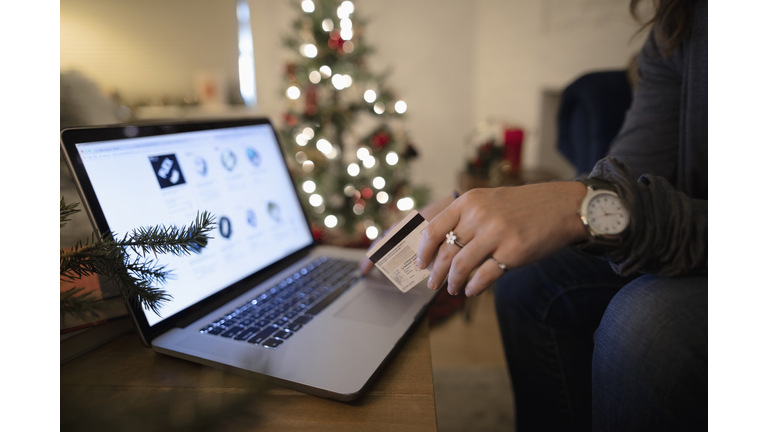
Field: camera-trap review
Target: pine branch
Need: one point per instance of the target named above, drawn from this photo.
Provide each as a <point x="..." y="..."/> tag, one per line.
<point x="170" y="240"/>
<point x="77" y="304"/>
<point x="67" y="210"/>
<point x="138" y="279"/>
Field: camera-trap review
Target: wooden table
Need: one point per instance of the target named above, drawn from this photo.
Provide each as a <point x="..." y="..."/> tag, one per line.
<point x="124" y="386"/>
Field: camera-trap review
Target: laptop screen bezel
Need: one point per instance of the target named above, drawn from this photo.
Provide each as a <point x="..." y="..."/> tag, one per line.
<point x="70" y="137"/>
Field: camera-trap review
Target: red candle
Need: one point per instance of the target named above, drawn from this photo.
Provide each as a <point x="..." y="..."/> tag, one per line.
<point x="513" y="142"/>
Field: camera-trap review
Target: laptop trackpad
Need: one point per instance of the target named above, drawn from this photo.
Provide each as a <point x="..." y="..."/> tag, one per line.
<point x="376" y="306"/>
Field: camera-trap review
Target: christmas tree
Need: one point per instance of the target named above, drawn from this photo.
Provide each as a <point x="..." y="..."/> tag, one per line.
<point x="343" y="132"/>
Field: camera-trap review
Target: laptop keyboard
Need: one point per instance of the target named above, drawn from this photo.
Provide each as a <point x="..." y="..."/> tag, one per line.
<point x="274" y="316"/>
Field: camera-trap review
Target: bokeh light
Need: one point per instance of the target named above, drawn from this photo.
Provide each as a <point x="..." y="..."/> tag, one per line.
<point x="315" y="200"/>
<point x="369" y="96"/>
<point x="404" y="204"/>
<point x="314" y="77"/>
<point x="369" y="162"/>
<point x="325" y="71"/>
<point x="372" y="232"/>
<point x="324" y="146"/>
<point x="293" y="92"/>
<point x="392" y="158"/>
<point x="382" y="197"/>
<point x="400" y="107"/>
<point x="363" y="153"/>
<point x="338" y="81"/>
<point x="379" y="182"/>
<point x="327" y="24"/>
<point x="308" y="6"/>
<point x="378" y="108"/>
<point x="309" y="186"/>
<point x="353" y="169"/>
<point x="308" y="166"/>
<point x="308" y="132"/>
<point x="309" y="50"/>
<point x="331" y="221"/>
<point x="302" y="139"/>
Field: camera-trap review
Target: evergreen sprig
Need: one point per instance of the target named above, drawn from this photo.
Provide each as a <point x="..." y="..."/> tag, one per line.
<point x="138" y="279"/>
<point x="67" y="210"/>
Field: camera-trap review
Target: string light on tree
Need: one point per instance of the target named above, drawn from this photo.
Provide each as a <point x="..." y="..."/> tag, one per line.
<point x="345" y="9"/>
<point x="392" y="158"/>
<point x="369" y="162"/>
<point x="404" y="204"/>
<point x="324" y="146"/>
<point x="309" y="186"/>
<point x="327" y="24"/>
<point x="369" y="96"/>
<point x="372" y="232"/>
<point x="293" y="92"/>
<point x="308" y="6"/>
<point x="308" y="50"/>
<point x="363" y="153"/>
<point x="315" y="200"/>
<point x="378" y="108"/>
<point x="400" y="107"/>
<point x="331" y="221"/>
<point x="382" y="197"/>
<point x="379" y="182"/>
<point x="325" y="71"/>
<point x="314" y="77"/>
<point x="353" y="169"/>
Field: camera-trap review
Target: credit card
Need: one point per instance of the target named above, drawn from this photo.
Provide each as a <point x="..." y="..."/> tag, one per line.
<point x="395" y="255"/>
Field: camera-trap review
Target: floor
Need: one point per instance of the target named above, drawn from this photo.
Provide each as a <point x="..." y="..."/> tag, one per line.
<point x="472" y="388"/>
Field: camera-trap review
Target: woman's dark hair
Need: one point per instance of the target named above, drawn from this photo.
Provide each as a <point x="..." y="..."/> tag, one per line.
<point x="671" y="22"/>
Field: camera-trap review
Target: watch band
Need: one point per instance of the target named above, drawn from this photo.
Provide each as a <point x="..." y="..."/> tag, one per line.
<point x="597" y="244"/>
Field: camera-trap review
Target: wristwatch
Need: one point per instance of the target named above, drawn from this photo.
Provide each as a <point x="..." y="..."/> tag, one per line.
<point x="604" y="216"/>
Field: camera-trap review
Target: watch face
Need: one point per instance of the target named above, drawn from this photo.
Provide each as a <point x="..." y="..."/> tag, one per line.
<point x="607" y="215"/>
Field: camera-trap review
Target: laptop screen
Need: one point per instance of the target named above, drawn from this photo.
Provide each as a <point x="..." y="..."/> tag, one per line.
<point x="238" y="174"/>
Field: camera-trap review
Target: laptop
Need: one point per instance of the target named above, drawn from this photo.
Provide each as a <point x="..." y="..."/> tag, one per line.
<point x="263" y="299"/>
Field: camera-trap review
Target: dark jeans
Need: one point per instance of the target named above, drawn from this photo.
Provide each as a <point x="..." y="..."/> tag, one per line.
<point x="588" y="349"/>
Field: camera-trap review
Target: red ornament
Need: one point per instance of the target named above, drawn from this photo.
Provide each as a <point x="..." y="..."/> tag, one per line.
<point x="367" y="193"/>
<point x="290" y="119"/>
<point x="380" y="139"/>
<point x="317" y="232"/>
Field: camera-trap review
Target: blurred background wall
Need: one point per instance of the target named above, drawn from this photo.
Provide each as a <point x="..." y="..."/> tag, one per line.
<point x="455" y="62"/>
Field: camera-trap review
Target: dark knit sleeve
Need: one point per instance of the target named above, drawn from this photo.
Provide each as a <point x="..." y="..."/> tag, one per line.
<point x="649" y="139"/>
<point x="667" y="233"/>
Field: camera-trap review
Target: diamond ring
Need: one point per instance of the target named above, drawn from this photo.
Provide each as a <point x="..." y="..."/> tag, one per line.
<point x="501" y="265"/>
<point x="451" y="238"/>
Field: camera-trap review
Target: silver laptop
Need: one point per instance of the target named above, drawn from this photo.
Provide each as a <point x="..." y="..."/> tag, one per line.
<point x="263" y="298"/>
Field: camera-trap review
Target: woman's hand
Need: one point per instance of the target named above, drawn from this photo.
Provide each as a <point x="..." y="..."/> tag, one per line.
<point x="514" y="225"/>
<point x="428" y="212"/>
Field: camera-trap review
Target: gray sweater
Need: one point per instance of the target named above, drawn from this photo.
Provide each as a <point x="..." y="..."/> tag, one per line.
<point x="658" y="161"/>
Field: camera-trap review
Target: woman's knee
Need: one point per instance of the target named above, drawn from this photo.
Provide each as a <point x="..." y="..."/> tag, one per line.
<point x="651" y="351"/>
